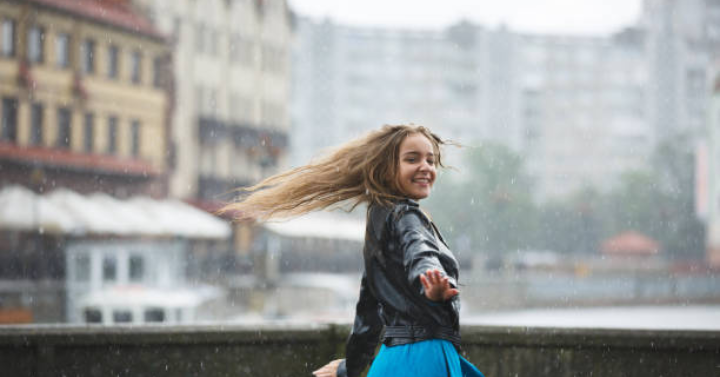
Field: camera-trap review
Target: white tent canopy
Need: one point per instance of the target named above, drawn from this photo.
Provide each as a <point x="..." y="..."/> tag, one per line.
<point x="67" y="212"/>
<point x="320" y="225"/>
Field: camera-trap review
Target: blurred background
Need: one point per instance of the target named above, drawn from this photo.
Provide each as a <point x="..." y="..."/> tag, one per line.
<point x="586" y="192"/>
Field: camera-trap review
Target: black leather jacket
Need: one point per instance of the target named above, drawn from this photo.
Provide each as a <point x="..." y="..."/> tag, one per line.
<point x="401" y="243"/>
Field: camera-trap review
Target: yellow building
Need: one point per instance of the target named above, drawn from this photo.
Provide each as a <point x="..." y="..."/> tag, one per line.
<point x="84" y="98"/>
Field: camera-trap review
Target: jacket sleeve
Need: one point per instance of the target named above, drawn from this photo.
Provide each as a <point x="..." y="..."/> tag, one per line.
<point x="364" y="336"/>
<point x="419" y="246"/>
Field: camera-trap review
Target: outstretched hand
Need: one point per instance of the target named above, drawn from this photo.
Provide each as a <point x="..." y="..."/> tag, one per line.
<point x="437" y="287"/>
<point x="329" y="370"/>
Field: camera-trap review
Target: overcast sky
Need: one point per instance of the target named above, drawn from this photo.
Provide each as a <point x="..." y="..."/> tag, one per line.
<point x="586" y="17"/>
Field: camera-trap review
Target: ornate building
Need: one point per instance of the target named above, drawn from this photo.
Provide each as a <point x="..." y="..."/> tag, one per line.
<point x="84" y="110"/>
<point x="83" y="103"/>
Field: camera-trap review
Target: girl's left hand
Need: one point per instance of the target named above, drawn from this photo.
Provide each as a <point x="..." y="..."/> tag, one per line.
<point x="329" y="370"/>
<point x="437" y="287"/>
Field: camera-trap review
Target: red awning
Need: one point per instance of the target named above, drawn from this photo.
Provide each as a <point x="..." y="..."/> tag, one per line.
<point x="630" y="243"/>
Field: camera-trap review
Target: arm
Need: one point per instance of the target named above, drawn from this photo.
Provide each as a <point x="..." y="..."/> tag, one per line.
<point x="365" y="334"/>
<point x="419" y="246"/>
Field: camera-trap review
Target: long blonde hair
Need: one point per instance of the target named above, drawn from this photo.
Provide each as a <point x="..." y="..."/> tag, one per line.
<point x="360" y="171"/>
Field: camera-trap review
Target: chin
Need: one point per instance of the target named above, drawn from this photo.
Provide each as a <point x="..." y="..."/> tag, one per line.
<point x="418" y="196"/>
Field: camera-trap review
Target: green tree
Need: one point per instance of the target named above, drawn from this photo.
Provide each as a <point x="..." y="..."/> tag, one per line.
<point x="659" y="202"/>
<point x="674" y="162"/>
<point x="489" y="208"/>
<point x="638" y="204"/>
<point x="574" y="224"/>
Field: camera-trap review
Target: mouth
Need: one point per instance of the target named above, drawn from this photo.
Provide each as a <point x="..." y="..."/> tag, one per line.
<point x="422" y="181"/>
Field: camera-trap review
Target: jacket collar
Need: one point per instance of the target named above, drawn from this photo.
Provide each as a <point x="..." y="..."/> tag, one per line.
<point x="411" y="202"/>
<point x="407" y="201"/>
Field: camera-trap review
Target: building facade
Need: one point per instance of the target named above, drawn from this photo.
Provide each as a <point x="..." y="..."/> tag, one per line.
<point x="231" y="69"/>
<point x="710" y="182"/>
<point x="584" y="110"/>
<point x="574" y="107"/>
<point x="84" y="107"/>
<point x="82" y="99"/>
<point x="683" y="39"/>
<point x="350" y="80"/>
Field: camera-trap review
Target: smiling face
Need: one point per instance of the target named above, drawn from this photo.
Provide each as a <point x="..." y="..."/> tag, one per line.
<point x="416" y="167"/>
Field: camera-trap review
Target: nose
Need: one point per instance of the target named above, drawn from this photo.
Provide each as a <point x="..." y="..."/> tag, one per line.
<point x="426" y="166"/>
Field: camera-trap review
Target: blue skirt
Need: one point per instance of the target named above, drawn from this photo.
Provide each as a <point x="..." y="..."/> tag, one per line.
<point x="428" y="358"/>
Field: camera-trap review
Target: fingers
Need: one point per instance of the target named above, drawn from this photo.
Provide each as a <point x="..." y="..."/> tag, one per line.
<point x="433" y="278"/>
<point x="329" y="370"/>
<point x="437" y="287"/>
<point x="323" y="372"/>
<point x="450" y="293"/>
<point x="425" y="283"/>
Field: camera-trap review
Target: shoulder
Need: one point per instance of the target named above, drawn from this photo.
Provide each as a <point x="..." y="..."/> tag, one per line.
<point x="406" y="214"/>
<point x="402" y="215"/>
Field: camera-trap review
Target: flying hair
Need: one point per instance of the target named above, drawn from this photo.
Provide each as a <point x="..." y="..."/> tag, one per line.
<point x="360" y="171"/>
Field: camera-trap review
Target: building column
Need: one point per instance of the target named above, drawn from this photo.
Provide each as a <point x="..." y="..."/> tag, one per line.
<point x="712" y="245"/>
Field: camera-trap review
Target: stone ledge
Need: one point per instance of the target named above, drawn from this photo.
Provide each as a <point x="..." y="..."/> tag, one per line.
<point x="296" y="349"/>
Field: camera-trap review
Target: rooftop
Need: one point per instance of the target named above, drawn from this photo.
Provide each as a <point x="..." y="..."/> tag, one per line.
<point x="118" y="13"/>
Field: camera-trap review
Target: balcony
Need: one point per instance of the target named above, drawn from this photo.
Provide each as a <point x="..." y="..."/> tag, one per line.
<point x="59" y="159"/>
<point x="211" y="130"/>
<point x="213" y="189"/>
<point x="296" y="350"/>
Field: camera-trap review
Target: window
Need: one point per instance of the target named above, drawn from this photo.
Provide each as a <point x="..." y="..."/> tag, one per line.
<point x="157" y="72"/>
<point x="82" y="268"/>
<point x="9" y="119"/>
<point x="135" y="138"/>
<point x="112" y="62"/>
<point x="241" y="50"/>
<point x="137" y="268"/>
<point x="200" y="100"/>
<point x="177" y="28"/>
<point x="122" y="316"/>
<point x="64" y="120"/>
<point x="213" y="101"/>
<point x="88" y="56"/>
<point x="36" y="123"/>
<point x="234" y="47"/>
<point x="109" y="269"/>
<point x="154" y="315"/>
<point x="178" y="314"/>
<point x="62" y="49"/>
<point x="112" y="135"/>
<point x="135" y="71"/>
<point x="93" y="316"/>
<point x="8" y="37"/>
<point x="89" y="132"/>
<point x="200" y="38"/>
<point x="35" y="44"/>
<point x="273" y="59"/>
<point x="213" y="36"/>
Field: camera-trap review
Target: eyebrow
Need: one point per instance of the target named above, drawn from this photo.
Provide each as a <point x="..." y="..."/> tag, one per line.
<point x="416" y="152"/>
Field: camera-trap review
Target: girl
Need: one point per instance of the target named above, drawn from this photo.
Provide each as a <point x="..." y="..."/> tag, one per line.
<point x="409" y="286"/>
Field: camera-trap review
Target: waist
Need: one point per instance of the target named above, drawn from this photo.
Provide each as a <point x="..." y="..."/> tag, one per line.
<point x="416" y="333"/>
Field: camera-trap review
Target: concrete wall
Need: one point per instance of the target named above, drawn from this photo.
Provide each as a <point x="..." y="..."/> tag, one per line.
<point x="297" y="350"/>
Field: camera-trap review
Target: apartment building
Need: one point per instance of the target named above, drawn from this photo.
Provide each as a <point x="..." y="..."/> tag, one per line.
<point x="574" y="107"/>
<point x="231" y="73"/>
